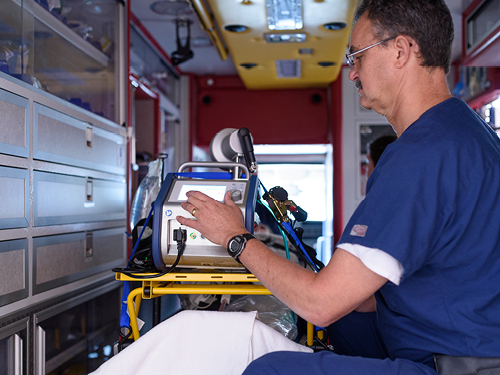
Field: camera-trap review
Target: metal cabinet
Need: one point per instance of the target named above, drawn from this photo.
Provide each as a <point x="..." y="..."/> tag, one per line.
<point x="68" y="140"/>
<point x="65" y="191"/>
<point x="63" y="167"/>
<point x="69" y="49"/>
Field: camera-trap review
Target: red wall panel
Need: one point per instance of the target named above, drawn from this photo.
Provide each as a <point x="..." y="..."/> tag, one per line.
<point x="272" y="116"/>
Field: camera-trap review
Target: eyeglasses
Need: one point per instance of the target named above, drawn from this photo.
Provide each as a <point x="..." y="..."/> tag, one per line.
<point x="349" y="56"/>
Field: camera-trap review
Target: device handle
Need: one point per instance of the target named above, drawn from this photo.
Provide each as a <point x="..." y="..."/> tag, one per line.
<point x="209" y="164"/>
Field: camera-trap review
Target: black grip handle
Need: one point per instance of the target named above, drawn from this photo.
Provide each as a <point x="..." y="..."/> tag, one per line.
<point x="247" y="145"/>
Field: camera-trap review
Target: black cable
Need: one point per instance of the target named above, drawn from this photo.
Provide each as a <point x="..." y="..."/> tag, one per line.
<point x="180" y="236"/>
<point x="325" y="346"/>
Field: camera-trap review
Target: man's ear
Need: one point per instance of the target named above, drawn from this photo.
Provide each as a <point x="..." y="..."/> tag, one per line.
<point x="404" y="47"/>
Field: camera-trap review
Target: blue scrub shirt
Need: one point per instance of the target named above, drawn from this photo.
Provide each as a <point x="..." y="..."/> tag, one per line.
<point x="433" y="203"/>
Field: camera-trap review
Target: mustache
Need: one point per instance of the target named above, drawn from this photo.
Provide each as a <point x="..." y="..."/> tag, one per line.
<point x="358" y="84"/>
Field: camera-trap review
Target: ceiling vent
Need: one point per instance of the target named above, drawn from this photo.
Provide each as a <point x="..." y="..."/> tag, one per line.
<point x="288" y="68"/>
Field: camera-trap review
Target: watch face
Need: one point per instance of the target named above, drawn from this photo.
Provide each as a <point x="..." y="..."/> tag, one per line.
<point x="235" y="245"/>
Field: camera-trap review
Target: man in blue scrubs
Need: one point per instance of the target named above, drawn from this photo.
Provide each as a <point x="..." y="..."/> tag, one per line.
<point x="423" y="248"/>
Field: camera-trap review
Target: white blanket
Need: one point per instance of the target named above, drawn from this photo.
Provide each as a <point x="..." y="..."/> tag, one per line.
<point x="199" y="342"/>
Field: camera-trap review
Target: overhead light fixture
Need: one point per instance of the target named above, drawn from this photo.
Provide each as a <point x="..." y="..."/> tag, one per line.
<point x="285" y="38"/>
<point x="325" y="64"/>
<point x="335" y="25"/>
<point x="236" y="28"/>
<point x="284" y="14"/>
<point x="289" y="68"/>
<point x="248" y="65"/>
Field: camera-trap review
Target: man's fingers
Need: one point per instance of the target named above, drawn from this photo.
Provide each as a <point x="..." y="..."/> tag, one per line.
<point x="197" y="195"/>
<point x="187" y="222"/>
<point x="228" y="198"/>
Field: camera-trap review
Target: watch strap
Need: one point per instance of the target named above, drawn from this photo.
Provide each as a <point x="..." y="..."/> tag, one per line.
<point x="245" y="237"/>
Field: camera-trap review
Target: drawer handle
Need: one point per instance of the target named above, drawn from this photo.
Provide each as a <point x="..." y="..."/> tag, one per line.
<point x="89" y="136"/>
<point x="89" y="191"/>
<point x="89" y="245"/>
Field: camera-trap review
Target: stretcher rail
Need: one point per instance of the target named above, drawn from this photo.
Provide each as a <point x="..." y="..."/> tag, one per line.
<point x="241" y="284"/>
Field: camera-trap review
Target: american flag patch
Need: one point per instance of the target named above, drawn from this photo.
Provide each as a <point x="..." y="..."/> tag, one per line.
<point x="359" y="230"/>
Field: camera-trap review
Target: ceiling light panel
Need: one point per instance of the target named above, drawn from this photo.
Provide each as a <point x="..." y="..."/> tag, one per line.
<point x="252" y="46"/>
<point x="284" y="14"/>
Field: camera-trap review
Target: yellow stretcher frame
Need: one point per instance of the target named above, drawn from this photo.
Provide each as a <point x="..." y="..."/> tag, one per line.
<point x="242" y="284"/>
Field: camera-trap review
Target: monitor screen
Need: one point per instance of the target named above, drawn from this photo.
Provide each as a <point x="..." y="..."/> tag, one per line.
<point x="213" y="191"/>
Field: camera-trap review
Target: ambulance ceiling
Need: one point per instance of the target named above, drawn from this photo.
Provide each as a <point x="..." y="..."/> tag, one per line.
<point x="256" y="40"/>
<point x="281" y="43"/>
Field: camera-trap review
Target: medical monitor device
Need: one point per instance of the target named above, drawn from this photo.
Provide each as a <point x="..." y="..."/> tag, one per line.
<point x="199" y="252"/>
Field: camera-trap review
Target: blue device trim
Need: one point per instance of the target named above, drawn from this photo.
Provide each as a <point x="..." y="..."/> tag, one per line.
<point x="157" y="217"/>
<point x="250" y="207"/>
<point x="207" y="175"/>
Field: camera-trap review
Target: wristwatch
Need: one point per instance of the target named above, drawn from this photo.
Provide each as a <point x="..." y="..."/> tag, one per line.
<point x="236" y="245"/>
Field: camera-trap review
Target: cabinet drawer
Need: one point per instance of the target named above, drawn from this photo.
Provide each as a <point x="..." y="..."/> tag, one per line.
<point x="13" y="271"/>
<point x="63" y="139"/>
<point x="64" y="199"/>
<point x="64" y="258"/>
<point x="14" y="198"/>
<point x="14" y="123"/>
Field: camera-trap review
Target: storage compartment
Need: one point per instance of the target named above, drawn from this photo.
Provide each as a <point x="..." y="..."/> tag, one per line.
<point x="68" y="48"/>
<point x="77" y="339"/>
<point x="14" y="198"/>
<point x="64" y="258"/>
<point x="481" y="23"/>
<point x="14" y="275"/>
<point x="13" y="347"/>
<point x="64" y="199"/>
<point x="60" y="138"/>
<point x="14" y="123"/>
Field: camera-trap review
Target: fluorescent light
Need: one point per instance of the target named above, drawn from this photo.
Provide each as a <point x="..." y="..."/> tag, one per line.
<point x="285" y="38"/>
<point x="284" y="14"/>
<point x="290" y="149"/>
<point x="496" y="104"/>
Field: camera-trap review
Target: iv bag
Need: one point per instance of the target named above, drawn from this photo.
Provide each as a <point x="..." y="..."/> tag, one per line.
<point x="146" y="192"/>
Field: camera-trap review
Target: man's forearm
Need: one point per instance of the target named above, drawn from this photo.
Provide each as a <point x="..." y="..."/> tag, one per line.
<point x="320" y="298"/>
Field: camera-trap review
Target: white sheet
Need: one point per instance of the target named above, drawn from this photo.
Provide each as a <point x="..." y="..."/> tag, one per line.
<point x="199" y="342"/>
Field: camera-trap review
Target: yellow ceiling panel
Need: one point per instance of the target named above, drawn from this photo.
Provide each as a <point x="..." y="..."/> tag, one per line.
<point x="315" y="62"/>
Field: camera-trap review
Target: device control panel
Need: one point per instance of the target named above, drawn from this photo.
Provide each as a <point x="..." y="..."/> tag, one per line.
<point x="199" y="252"/>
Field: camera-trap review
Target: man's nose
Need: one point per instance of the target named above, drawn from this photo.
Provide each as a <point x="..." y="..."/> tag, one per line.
<point x="353" y="74"/>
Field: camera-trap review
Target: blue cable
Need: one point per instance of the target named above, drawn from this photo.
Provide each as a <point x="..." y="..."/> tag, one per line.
<point x="290" y="230"/>
<point x="140" y="235"/>
<point x="124" y="317"/>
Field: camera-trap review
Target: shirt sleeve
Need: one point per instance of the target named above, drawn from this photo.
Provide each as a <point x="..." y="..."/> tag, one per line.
<point x="377" y="261"/>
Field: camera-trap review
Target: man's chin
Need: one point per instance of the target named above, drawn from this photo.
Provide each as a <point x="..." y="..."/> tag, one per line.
<point x="364" y="103"/>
